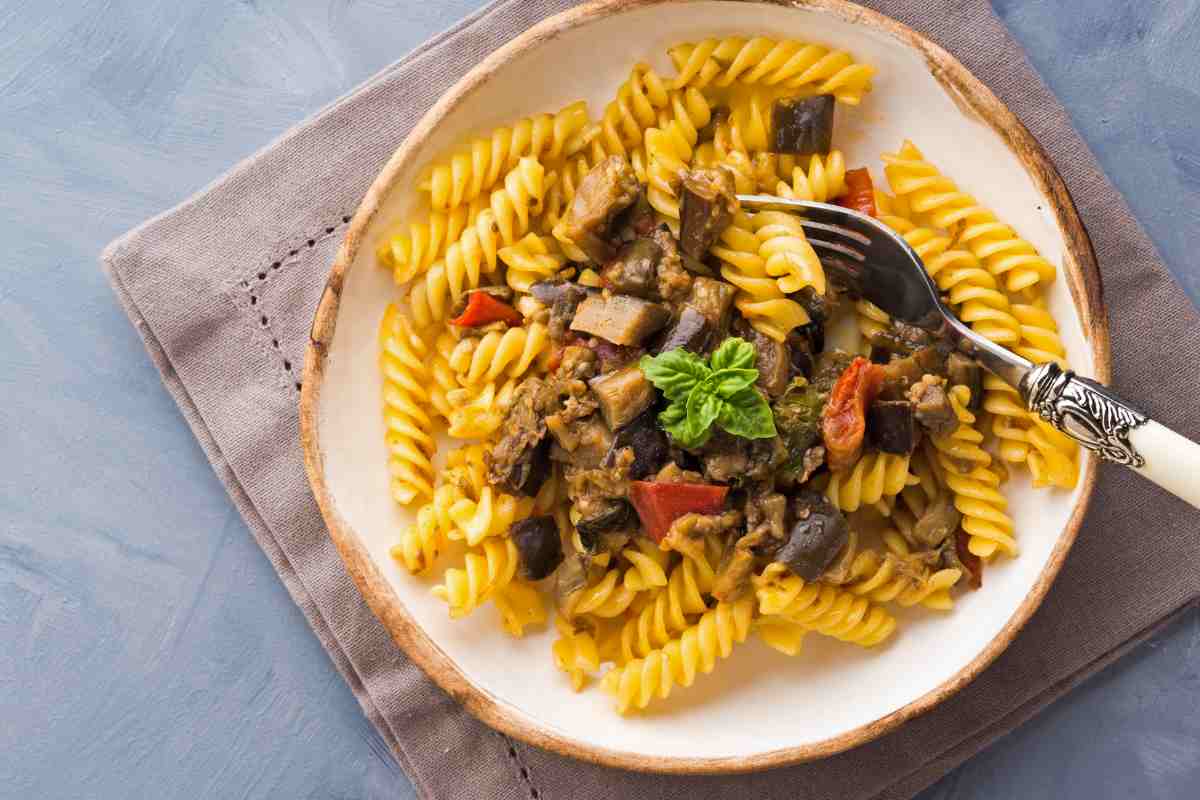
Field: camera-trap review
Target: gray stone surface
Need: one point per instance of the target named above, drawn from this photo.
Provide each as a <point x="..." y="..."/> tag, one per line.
<point x="148" y="650"/>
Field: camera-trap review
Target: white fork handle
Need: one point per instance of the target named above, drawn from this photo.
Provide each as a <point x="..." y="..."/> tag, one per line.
<point x="1099" y="420"/>
<point x="1171" y="461"/>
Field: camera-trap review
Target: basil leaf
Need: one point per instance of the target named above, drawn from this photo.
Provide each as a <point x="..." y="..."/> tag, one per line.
<point x="747" y="414"/>
<point x="702" y="409"/>
<point x="675" y="373"/>
<point x="734" y="353"/>
<point x="672" y="414"/>
<point x="725" y="383"/>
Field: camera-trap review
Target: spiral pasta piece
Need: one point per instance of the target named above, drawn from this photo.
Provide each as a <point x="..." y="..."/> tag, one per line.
<point x="787" y="255"/>
<point x="781" y="634"/>
<point x="424" y="540"/>
<point x="492" y="515"/>
<point x="824" y="181"/>
<point x="575" y="652"/>
<point x="647" y="565"/>
<point x="608" y="597"/>
<point x="749" y="123"/>
<point x="888" y="578"/>
<point x="696" y="650"/>
<point x="410" y="446"/>
<point x="873" y="477"/>
<point x="669" y="149"/>
<point x="495" y="354"/>
<point x="966" y="470"/>
<point x="759" y="297"/>
<point x="475" y="171"/>
<point x="520" y="605"/>
<point x="534" y="258"/>
<point x="476" y="413"/>
<point x="826" y="609"/>
<point x="666" y="614"/>
<point x="787" y="64"/>
<point x="477" y="249"/>
<point x="627" y="117"/>
<point x="936" y="198"/>
<point x="486" y="569"/>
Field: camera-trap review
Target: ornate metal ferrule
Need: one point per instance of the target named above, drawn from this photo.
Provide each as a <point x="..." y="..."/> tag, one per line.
<point x="1085" y="411"/>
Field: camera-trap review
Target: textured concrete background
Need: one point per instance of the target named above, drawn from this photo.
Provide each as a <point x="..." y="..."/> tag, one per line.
<point x="146" y="647"/>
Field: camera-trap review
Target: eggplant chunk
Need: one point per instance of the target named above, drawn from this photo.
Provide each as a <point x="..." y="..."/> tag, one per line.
<point x="539" y="546"/>
<point x="773" y="362"/>
<point x="709" y="203"/>
<point x="690" y="331"/>
<point x="817" y="536"/>
<point x="891" y="426"/>
<point x="622" y="395"/>
<point x="608" y="189"/>
<point x="635" y="269"/>
<point x="615" y="514"/>
<point x="964" y="371"/>
<point x="646" y="441"/>
<point x="713" y="299"/>
<point x="621" y="318"/>
<point x="802" y="125"/>
<point x="931" y="406"/>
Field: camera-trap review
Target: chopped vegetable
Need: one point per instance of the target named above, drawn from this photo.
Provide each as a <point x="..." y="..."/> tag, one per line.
<point x="798" y="419"/>
<point x="608" y="189"/>
<point x="690" y="332"/>
<point x="622" y="395"/>
<point x="621" y="318"/>
<point x="539" y="546"/>
<point x="709" y="203"/>
<point x="612" y="515"/>
<point x="701" y="394"/>
<point x="482" y="309"/>
<point x="940" y="519"/>
<point x="931" y="406"/>
<point x="860" y="192"/>
<point x="635" y="269"/>
<point x="802" y="125"/>
<point x="713" y="299"/>
<point x="660" y="504"/>
<point x="818" y="535"/>
<point x="844" y="421"/>
<point x="891" y="427"/>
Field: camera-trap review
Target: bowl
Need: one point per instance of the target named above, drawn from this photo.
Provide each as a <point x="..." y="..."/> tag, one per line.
<point x="759" y="708"/>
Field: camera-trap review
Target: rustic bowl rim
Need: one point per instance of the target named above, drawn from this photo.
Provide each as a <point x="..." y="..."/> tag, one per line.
<point x="1083" y="278"/>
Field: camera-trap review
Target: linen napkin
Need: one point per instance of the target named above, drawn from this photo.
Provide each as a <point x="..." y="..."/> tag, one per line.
<point x="223" y="287"/>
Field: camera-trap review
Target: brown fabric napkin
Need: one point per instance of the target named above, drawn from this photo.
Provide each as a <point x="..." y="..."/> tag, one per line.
<point x="223" y="287"/>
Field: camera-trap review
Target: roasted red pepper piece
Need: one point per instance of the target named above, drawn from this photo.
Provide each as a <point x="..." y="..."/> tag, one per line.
<point x="844" y="419"/>
<point x="659" y="504"/>
<point x="972" y="562"/>
<point x="860" y="194"/>
<point x="483" y="309"/>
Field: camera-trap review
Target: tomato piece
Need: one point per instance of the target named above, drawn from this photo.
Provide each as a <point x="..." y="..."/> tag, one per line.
<point x="483" y="309"/>
<point x="659" y="504"/>
<point x="972" y="562"/>
<point x="860" y="194"/>
<point x="844" y="419"/>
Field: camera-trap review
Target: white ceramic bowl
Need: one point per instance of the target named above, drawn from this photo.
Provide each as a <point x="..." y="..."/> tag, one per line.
<point x="759" y="708"/>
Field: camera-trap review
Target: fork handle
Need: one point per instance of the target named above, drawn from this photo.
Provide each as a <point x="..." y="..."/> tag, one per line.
<point x="1102" y="422"/>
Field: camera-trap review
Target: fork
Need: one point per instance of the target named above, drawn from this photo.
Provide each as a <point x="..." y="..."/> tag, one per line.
<point x="886" y="270"/>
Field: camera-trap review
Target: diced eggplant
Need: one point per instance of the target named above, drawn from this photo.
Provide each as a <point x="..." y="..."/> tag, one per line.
<point x="520" y="462"/>
<point x="940" y="519"/>
<point x="646" y="441"/>
<point x="891" y="427"/>
<point x="614" y="514"/>
<point x="635" y="269"/>
<point x="637" y="220"/>
<point x="608" y="189"/>
<point x="900" y="374"/>
<point x="690" y="331"/>
<point x="674" y="281"/>
<point x="562" y="298"/>
<point x="621" y="318"/>
<point x="709" y="203"/>
<point x="844" y="277"/>
<point x="802" y="125"/>
<point x="964" y="371"/>
<point x="817" y="536"/>
<point x="622" y="395"/>
<point x="773" y="362"/>
<point x="539" y="546"/>
<point x="713" y="299"/>
<point x="931" y="406"/>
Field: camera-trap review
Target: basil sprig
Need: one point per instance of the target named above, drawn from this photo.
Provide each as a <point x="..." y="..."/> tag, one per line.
<point x="720" y="391"/>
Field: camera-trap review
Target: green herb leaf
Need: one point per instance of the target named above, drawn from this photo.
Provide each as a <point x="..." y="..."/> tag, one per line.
<point x="675" y="373"/>
<point x="725" y="383"/>
<point x="747" y="414"/>
<point x="734" y="353"/>
<point x="702" y="411"/>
